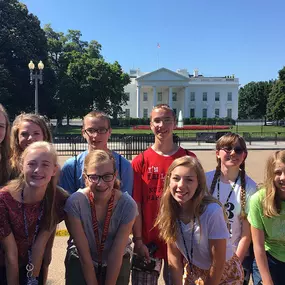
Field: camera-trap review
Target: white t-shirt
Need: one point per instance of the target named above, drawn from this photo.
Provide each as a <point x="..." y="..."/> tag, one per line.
<point x="212" y="226"/>
<point x="233" y="208"/>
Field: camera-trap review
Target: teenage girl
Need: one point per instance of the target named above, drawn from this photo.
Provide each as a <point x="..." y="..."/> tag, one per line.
<point x="26" y="129"/>
<point x="100" y="219"/>
<point x="4" y="146"/>
<point x="233" y="188"/>
<point x="193" y="225"/>
<point x="30" y="208"/>
<point x="267" y="219"/>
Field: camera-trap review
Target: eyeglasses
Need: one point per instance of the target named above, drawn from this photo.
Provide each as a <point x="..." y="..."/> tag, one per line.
<point x="158" y="121"/>
<point x="92" y="132"/>
<point x="237" y="149"/>
<point x="94" y="178"/>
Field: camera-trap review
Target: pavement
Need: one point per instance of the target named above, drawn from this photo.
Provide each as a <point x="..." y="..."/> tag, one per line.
<point x="255" y="164"/>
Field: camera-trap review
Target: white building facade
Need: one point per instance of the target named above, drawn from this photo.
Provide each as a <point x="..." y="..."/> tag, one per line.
<point x="195" y="95"/>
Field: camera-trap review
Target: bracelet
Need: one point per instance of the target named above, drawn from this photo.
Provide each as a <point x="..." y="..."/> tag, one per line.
<point x="135" y="239"/>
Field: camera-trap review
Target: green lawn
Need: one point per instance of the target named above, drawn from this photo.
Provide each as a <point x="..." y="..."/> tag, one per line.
<point x="239" y="129"/>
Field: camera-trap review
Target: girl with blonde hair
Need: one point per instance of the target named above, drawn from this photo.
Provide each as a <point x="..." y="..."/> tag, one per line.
<point x="30" y="208"/>
<point x="26" y="129"/>
<point x="194" y="226"/>
<point x="230" y="184"/>
<point x="4" y="146"/>
<point x="100" y="219"/>
<point x="267" y="219"/>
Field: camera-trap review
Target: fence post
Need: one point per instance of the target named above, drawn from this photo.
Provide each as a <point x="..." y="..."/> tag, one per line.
<point x="129" y="147"/>
<point x="275" y="139"/>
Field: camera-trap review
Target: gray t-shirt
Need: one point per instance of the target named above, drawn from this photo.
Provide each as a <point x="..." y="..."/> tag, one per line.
<point x="125" y="211"/>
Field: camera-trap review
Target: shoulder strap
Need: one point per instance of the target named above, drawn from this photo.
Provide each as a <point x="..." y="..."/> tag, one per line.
<point x="74" y="173"/>
<point x="120" y="167"/>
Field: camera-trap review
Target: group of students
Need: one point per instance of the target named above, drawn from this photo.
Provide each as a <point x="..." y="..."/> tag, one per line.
<point x="200" y="226"/>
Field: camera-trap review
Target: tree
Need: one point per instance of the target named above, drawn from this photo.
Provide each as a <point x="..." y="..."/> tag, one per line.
<point x="276" y="101"/>
<point x="21" y="40"/>
<point x="253" y="99"/>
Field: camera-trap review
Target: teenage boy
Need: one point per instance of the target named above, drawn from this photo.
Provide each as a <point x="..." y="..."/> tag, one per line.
<point x="150" y="169"/>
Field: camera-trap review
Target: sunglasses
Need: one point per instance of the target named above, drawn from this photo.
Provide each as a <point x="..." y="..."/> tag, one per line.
<point x="236" y="149"/>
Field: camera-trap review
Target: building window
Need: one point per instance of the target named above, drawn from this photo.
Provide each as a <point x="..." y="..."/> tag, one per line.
<point x="217" y="113"/>
<point x="217" y="96"/>
<point x="145" y="113"/>
<point x="127" y="113"/>
<point x="205" y="95"/>
<point x="192" y="96"/>
<point x="159" y="96"/>
<point x="230" y="96"/>
<point x="192" y="113"/>
<point x="229" y="113"/>
<point x="128" y="96"/>
<point x="175" y="111"/>
<point x="174" y="96"/>
<point x="145" y="96"/>
<point x="205" y="113"/>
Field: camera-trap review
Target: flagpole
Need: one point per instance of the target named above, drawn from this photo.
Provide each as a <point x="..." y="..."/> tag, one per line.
<point x="158" y="47"/>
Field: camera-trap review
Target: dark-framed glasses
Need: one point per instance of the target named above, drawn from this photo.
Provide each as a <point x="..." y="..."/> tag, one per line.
<point x="92" y="132"/>
<point x="236" y="149"/>
<point x="94" y="178"/>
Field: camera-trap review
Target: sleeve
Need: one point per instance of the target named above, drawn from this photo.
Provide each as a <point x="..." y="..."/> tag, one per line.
<point x="66" y="179"/>
<point x="209" y="178"/>
<point x="251" y="188"/>
<point x="72" y="205"/>
<point x="217" y="226"/>
<point x="127" y="176"/>
<point x="138" y="182"/>
<point x="130" y="210"/>
<point x="255" y="212"/>
<point x="61" y="198"/>
<point x="5" y="228"/>
<point x="190" y="153"/>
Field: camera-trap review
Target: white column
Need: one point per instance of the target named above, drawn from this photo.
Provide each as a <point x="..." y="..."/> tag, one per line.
<point x="138" y="101"/>
<point x="186" y="103"/>
<point x="170" y="97"/>
<point x="154" y="96"/>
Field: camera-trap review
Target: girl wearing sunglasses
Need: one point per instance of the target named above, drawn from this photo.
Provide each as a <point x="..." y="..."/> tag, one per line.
<point x="100" y="219"/>
<point x="233" y="188"/>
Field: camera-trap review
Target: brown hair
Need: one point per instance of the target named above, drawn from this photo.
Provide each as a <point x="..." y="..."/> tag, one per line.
<point x="99" y="156"/>
<point x="97" y="114"/>
<point x="5" y="150"/>
<point x="271" y="202"/>
<point x="164" y="107"/>
<point x="227" y="140"/>
<point x="169" y="209"/>
<point x="15" y="146"/>
<point x="50" y="218"/>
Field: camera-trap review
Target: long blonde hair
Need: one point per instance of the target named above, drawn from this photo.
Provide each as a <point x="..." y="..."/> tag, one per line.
<point x="229" y="140"/>
<point x="5" y="151"/>
<point x="169" y="210"/>
<point x="50" y="217"/>
<point x="15" y="146"/>
<point x="271" y="202"/>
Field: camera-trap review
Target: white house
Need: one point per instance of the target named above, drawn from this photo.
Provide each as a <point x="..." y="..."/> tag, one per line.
<point x="196" y="95"/>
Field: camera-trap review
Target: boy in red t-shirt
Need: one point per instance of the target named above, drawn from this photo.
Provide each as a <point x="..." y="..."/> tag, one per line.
<point x="150" y="169"/>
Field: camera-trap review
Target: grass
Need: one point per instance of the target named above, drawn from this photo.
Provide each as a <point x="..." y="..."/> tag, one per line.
<point x="239" y="129"/>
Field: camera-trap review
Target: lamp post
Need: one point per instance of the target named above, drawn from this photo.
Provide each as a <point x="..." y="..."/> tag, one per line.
<point x="36" y="76"/>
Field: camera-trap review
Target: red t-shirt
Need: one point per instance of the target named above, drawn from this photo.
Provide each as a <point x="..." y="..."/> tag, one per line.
<point x="12" y="220"/>
<point x="150" y="169"/>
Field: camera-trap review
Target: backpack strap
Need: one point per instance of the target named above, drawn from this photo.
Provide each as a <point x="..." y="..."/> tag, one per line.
<point x="120" y="167"/>
<point x="74" y="173"/>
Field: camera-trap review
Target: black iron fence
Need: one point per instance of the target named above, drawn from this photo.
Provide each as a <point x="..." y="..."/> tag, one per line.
<point x="129" y="145"/>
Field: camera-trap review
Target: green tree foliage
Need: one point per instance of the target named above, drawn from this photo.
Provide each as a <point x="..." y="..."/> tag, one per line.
<point x="276" y="101"/>
<point x="21" y="40"/>
<point x="253" y="99"/>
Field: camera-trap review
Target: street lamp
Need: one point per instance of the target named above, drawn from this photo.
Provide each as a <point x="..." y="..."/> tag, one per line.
<point x="36" y="76"/>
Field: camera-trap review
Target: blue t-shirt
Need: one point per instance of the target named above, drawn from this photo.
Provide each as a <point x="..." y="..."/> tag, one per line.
<point x="71" y="176"/>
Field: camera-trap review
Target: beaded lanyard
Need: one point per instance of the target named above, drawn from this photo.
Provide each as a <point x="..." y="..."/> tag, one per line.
<point x="31" y="280"/>
<point x="100" y="245"/>
<point x="189" y="257"/>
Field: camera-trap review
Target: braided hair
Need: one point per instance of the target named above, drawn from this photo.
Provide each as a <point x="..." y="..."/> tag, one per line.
<point x="231" y="139"/>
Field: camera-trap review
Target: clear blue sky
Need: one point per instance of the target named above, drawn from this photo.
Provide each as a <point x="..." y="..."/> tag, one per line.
<point x="222" y="37"/>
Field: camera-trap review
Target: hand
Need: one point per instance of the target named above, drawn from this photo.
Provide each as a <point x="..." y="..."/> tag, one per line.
<point x="142" y="250"/>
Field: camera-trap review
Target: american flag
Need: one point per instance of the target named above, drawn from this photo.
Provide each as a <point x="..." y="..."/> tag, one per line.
<point x="158" y="45"/>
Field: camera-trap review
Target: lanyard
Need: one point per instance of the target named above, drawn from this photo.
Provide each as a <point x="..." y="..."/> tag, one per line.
<point x="230" y="194"/>
<point x="100" y="245"/>
<point x="30" y="266"/>
<point x="189" y="258"/>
